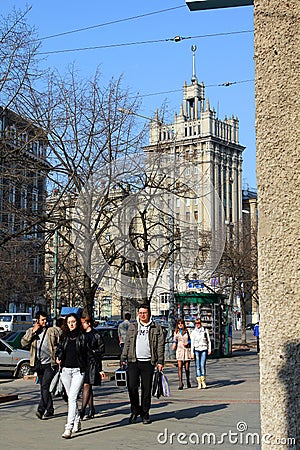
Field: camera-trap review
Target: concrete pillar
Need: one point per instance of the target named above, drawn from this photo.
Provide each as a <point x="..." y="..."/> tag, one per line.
<point x="278" y="174"/>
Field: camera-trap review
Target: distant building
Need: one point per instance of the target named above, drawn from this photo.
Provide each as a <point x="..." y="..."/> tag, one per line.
<point x="23" y="168"/>
<point x="250" y="224"/>
<point x="211" y="150"/>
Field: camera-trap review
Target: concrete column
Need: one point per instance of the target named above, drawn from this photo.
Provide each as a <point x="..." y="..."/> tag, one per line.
<point x="277" y="59"/>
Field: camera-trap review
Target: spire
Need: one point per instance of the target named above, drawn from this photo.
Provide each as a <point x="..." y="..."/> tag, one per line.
<point x="194" y="77"/>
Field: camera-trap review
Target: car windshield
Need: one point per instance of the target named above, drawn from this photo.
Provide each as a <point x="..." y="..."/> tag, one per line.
<point x="5" y="318"/>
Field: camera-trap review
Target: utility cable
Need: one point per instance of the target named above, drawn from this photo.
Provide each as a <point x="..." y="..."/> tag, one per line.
<point x="91" y="27"/>
<point x="174" y="39"/>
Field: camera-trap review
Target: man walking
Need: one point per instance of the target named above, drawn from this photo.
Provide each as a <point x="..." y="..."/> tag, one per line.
<point x="143" y="350"/>
<point x="43" y="342"/>
<point x="123" y="328"/>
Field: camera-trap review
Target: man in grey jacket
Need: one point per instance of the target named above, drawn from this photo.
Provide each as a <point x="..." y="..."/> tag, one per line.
<point x="143" y="350"/>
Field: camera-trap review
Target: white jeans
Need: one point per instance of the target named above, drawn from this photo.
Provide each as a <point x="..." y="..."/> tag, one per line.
<point x="72" y="380"/>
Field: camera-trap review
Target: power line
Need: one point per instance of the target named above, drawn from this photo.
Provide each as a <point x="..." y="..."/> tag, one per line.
<point x="225" y="84"/>
<point x="174" y="39"/>
<point x="111" y="22"/>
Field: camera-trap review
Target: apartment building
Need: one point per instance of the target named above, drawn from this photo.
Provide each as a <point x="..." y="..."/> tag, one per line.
<point x="206" y="155"/>
<point x="23" y="168"/>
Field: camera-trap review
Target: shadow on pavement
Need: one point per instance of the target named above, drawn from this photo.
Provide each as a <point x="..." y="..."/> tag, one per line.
<point x="188" y="413"/>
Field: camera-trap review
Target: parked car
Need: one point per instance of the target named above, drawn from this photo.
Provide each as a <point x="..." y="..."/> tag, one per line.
<point x="13" y="338"/>
<point x="111" y="341"/>
<point x="13" y="360"/>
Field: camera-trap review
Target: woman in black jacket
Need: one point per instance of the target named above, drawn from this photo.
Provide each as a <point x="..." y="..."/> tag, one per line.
<point x="94" y="371"/>
<point x="71" y="355"/>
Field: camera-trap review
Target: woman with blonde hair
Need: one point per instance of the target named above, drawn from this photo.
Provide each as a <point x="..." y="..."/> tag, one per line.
<point x="182" y="344"/>
<point x="200" y="349"/>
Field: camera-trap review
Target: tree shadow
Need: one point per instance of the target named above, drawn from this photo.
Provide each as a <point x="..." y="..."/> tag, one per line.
<point x="222" y="383"/>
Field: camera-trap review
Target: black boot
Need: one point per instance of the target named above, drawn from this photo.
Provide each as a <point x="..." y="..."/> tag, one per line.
<point x="188" y="383"/>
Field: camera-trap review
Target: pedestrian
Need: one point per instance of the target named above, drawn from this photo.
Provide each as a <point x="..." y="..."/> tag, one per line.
<point x="143" y="350"/>
<point x="256" y="334"/>
<point x="200" y="348"/>
<point x="43" y="341"/>
<point x="94" y="373"/>
<point x="182" y="344"/>
<point x="71" y="355"/>
<point x="122" y="329"/>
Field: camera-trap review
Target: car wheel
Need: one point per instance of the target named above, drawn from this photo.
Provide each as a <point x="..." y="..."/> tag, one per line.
<point x="24" y="369"/>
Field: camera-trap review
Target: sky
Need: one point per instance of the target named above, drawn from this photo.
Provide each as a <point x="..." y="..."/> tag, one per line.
<point x="153" y="65"/>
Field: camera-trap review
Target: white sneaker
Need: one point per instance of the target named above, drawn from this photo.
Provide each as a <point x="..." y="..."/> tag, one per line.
<point x="67" y="434"/>
<point x="76" y="427"/>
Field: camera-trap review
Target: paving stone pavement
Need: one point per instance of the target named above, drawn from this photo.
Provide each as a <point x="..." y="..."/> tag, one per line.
<point x="225" y="415"/>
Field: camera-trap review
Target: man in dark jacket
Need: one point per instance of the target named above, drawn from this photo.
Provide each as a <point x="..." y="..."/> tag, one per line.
<point x="143" y="350"/>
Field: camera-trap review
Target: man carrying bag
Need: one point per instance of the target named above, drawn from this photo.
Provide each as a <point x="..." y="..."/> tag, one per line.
<point x="143" y="350"/>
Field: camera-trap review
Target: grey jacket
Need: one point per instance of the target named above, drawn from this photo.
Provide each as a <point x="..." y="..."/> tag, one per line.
<point x="156" y="341"/>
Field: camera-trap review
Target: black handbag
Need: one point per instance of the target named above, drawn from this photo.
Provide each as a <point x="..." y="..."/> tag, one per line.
<point x="157" y="387"/>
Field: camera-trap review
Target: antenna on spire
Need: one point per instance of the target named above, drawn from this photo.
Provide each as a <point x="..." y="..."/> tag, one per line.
<point x="194" y="48"/>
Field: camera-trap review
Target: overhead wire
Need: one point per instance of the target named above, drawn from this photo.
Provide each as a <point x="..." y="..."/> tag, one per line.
<point x="225" y="84"/>
<point x="154" y="41"/>
<point x="112" y="22"/>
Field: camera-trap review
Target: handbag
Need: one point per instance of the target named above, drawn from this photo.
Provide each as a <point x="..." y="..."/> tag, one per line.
<point x="157" y="387"/>
<point x="165" y="385"/>
<point x="56" y="386"/>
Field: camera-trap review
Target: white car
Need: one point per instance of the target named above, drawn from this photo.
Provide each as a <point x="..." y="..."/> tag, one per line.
<point x="14" y="360"/>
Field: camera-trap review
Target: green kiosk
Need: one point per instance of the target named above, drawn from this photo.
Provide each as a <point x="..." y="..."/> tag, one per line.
<point x="215" y="314"/>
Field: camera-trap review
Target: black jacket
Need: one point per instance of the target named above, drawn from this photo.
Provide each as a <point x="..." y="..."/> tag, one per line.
<point x="81" y="350"/>
<point x="96" y="349"/>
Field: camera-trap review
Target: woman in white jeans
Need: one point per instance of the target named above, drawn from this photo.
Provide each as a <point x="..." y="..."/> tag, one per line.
<point x="71" y="355"/>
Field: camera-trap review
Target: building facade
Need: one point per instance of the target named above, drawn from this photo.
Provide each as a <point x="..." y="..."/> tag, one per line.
<point x="23" y="169"/>
<point x="210" y="156"/>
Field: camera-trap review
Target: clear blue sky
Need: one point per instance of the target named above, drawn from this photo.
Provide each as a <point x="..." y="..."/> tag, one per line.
<point x="158" y="66"/>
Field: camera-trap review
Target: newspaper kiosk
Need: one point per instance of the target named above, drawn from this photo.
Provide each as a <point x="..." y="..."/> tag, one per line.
<point x="215" y="315"/>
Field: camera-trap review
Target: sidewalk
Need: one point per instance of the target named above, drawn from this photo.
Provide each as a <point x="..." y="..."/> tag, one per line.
<point x="229" y="405"/>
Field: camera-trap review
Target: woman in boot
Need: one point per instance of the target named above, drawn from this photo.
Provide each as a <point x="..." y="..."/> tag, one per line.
<point x="182" y="344"/>
<point x="200" y="348"/>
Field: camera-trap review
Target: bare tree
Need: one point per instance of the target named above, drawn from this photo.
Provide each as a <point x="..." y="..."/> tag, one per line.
<point x="238" y="269"/>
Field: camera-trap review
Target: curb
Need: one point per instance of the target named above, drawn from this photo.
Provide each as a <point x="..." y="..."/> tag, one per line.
<point x="8" y="397"/>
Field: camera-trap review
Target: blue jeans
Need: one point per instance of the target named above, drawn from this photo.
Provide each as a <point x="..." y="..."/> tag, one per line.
<point x="200" y="362"/>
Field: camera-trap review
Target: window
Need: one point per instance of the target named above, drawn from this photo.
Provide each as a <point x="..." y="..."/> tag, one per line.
<point x="35" y="201"/>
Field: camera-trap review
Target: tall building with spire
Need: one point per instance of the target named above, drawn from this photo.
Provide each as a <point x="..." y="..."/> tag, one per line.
<point x="211" y="150"/>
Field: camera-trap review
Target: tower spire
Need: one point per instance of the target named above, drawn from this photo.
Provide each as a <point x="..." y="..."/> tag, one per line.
<point x="194" y="77"/>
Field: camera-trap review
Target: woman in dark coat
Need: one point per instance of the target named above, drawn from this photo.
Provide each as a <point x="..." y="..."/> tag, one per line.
<point x="94" y="372"/>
